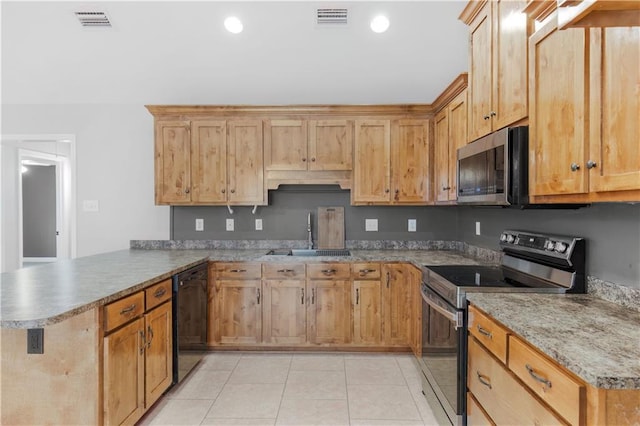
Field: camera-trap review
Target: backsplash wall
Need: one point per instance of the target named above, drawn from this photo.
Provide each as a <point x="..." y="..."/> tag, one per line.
<point x="285" y="218"/>
<point x="612" y="231"/>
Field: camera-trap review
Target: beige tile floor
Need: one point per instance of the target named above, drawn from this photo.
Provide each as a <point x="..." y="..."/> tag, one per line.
<point x="297" y="389"/>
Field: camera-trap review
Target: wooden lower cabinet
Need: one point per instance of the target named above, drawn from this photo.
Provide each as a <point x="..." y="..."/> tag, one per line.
<point x="329" y="312"/>
<point x="240" y="311"/>
<point x="476" y="416"/>
<point x="397" y="296"/>
<point x="284" y="312"/>
<point x="367" y="312"/>
<point x="158" y="352"/>
<point x="124" y="374"/>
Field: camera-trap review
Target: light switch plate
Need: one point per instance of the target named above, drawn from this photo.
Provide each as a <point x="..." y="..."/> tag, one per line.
<point x="229" y="224"/>
<point x="199" y="224"/>
<point x="371" y="225"/>
<point x="258" y="224"/>
<point x="411" y="225"/>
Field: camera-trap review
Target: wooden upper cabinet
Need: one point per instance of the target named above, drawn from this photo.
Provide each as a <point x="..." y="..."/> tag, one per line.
<point x="598" y="13"/>
<point x="372" y="171"/>
<point x="209" y="161"/>
<point x="498" y="65"/>
<point x="391" y="162"/>
<point x="410" y="161"/>
<point x="330" y="145"/>
<point x="245" y="162"/>
<point x="285" y="145"/>
<point x="450" y="134"/>
<point x="558" y="113"/>
<point x="172" y="162"/>
<point x="614" y="135"/>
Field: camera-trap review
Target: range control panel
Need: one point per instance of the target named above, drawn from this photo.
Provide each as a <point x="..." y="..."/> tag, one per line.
<point x="547" y="245"/>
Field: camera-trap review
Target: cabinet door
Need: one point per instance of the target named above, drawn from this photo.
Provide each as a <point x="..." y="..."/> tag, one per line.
<point x="457" y="112"/>
<point x="415" y="280"/>
<point x="329" y="311"/>
<point x="367" y="312"/>
<point x="245" y="162"/>
<point x="284" y="312"/>
<point x="209" y="161"/>
<point x="410" y="161"/>
<point x="480" y="74"/>
<point x="614" y="109"/>
<point x="330" y="144"/>
<point x="372" y="171"/>
<point x="557" y="61"/>
<point x="240" y="311"/>
<point x="285" y="145"/>
<point x="441" y="157"/>
<point x="159" y="352"/>
<point x="511" y="30"/>
<point x="124" y="374"/>
<point x="396" y="296"/>
<point x="172" y="162"/>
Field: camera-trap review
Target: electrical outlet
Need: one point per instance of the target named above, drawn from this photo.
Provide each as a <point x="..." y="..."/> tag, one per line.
<point x="477" y="228"/>
<point x="229" y="224"/>
<point x="90" y="205"/>
<point x="411" y="225"/>
<point x="35" y="340"/>
<point x="199" y="224"/>
<point x="371" y="225"/>
<point x="258" y="224"/>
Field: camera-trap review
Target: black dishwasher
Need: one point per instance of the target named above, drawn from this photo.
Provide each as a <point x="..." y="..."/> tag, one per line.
<point x="190" y="319"/>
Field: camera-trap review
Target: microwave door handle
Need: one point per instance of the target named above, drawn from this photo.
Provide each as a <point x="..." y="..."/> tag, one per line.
<point x="454" y="316"/>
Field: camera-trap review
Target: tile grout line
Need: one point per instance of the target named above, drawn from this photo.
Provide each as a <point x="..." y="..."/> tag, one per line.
<point x="284" y="387"/>
<point x="222" y="388"/>
<point x="411" y="393"/>
<point x="346" y="388"/>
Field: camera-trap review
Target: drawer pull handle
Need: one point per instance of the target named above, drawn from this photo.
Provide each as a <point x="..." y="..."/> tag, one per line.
<point x="366" y="271"/>
<point x="238" y="270"/>
<point x="388" y="279"/>
<point x="484" y="332"/>
<point x="357" y="296"/>
<point x="142" y="339"/>
<point x="258" y="295"/>
<point x="328" y="271"/>
<point x="313" y="296"/>
<point x="150" y="334"/>
<point x="285" y="270"/>
<point x="159" y="293"/>
<point x="482" y="380"/>
<point x="536" y="377"/>
<point x="302" y="297"/>
<point x="128" y="309"/>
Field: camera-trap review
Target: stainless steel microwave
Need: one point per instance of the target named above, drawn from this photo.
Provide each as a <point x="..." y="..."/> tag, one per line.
<point x="493" y="170"/>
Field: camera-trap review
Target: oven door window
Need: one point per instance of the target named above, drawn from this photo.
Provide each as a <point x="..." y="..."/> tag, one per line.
<point x="443" y="358"/>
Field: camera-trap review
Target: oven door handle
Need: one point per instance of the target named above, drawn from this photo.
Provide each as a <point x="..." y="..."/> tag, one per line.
<point x="455" y="316"/>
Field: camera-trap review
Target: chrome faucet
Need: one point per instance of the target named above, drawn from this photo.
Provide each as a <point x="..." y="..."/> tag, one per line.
<point x="309" y="231"/>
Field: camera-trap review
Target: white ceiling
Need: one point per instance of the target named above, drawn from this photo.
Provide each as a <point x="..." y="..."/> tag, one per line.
<point x="179" y="53"/>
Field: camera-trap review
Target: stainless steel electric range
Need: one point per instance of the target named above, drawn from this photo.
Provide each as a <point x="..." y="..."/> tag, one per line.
<point x="532" y="262"/>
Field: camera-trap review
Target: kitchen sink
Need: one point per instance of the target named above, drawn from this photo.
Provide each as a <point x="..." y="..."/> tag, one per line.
<point x="309" y="252"/>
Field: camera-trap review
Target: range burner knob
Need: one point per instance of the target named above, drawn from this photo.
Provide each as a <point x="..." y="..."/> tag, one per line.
<point x="550" y="245"/>
<point x="510" y="238"/>
<point x="503" y="237"/>
<point x="561" y="247"/>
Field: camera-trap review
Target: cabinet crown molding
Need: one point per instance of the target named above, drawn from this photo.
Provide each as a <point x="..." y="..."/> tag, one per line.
<point x="454" y="89"/>
<point x="470" y="11"/>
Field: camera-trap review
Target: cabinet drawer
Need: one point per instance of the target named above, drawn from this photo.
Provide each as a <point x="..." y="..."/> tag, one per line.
<point x="282" y="271"/>
<point x="503" y="398"/>
<point x="324" y="271"/>
<point x="492" y="335"/>
<point x="476" y="415"/>
<point x="365" y="271"/>
<point x="157" y="294"/>
<point x="548" y="380"/>
<point x="239" y="270"/>
<point x="123" y="310"/>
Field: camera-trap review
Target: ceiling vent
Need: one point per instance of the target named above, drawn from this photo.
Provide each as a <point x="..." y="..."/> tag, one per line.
<point x="331" y="17"/>
<point x="93" y="19"/>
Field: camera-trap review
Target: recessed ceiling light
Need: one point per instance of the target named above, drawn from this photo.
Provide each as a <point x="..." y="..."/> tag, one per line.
<point x="379" y="24"/>
<point x="233" y="25"/>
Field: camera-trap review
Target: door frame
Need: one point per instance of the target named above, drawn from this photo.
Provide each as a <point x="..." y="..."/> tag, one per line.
<point x="66" y="211"/>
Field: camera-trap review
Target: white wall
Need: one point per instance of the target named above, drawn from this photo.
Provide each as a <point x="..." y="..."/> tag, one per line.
<point x="114" y="163"/>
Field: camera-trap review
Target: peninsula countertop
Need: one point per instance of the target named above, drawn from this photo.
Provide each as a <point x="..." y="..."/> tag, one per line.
<point x="599" y="341"/>
<point x="43" y="295"/>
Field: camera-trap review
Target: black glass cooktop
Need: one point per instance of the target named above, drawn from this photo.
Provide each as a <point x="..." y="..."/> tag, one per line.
<point x="473" y="275"/>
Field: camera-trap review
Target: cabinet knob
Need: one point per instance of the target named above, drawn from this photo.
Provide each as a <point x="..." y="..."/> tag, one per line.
<point x="233" y="191"/>
<point x="591" y="164"/>
<point x="304" y="159"/>
<point x="493" y="114"/>
<point x="386" y="190"/>
<point x="224" y="190"/>
<point x="486" y="117"/>
<point x="575" y="167"/>
<point x="313" y="159"/>
<point x="186" y="191"/>
<point x="397" y="191"/>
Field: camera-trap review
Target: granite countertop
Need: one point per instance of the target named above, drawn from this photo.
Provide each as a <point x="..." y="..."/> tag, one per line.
<point x="44" y="295"/>
<point x="599" y="341"/>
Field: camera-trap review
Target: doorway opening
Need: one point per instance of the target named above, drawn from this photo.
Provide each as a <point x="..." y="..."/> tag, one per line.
<point x="38" y="199"/>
